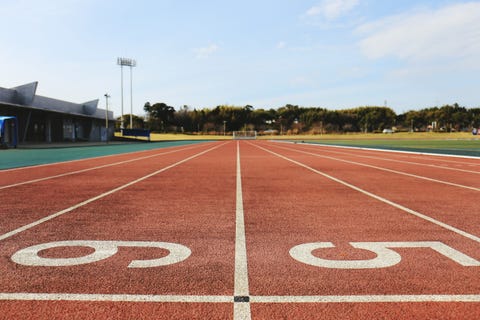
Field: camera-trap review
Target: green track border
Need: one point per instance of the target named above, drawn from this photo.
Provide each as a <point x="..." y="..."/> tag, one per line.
<point x="25" y="157"/>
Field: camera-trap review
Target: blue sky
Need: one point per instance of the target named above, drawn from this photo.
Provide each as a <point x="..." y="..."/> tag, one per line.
<point x="325" y="53"/>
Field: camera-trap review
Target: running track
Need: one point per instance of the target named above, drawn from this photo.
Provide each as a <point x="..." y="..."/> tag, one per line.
<point x="242" y="230"/>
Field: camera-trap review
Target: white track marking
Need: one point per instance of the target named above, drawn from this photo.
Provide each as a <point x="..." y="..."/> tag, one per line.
<point x="391" y="203"/>
<point x="391" y="151"/>
<point x="407" y="162"/>
<point x="102" y="250"/>
<point x="368" y="298"/>
<point x="385" y="256"/>
<point x="21" y="296"/>
<point x="90" y="169"/>
<point x="385" y="169"/>
<point x="103" y="195"/>
<point x="241" y="309"/>
<point x="114" y="297"/>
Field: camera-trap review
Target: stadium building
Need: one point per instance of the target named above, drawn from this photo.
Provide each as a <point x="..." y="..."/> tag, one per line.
<point x="42" y="119"/>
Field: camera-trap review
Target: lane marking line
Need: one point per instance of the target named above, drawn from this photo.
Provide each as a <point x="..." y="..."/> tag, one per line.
<point x="114" y="297"/>
<point x="405" y="162"/>
<point x="241" y="308"/>
<point x="374" y="196"/>
<point x="368" y="298"/>
<point x="82" y="297"/>
<point x="385" y="169"/>
<point x="392" y="151"/>
<point x="90" y="169"/>
<point x="103" y="195"/>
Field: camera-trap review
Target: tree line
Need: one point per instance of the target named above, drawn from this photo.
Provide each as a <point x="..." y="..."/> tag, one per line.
<point x="293" y="119"/>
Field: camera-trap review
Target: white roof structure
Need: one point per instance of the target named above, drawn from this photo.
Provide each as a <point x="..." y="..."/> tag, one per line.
<point x="25" y="96"/>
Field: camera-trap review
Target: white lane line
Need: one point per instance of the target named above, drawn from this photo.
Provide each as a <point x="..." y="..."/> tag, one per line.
<point x="406" y="162"/>
<point x="241" y="307"/>
<point x="440" y="155"/>
<point x="391" y="203"/>
<point x="384" y="169"/>
<point x="89" y="169"/>
<point x="367" y="298"/>
<point x="113" y="297"/>
<point x="86" y="297"/>
<point x="83" y="203"/>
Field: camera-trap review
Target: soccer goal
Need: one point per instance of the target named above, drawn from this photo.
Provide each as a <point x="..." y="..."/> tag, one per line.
<point x="244" y="135"/>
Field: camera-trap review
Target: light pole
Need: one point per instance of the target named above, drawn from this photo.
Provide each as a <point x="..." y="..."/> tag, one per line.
<point x="130" y="63"/>
<point x="224" y="127"/>
<point x="106" y="116"/>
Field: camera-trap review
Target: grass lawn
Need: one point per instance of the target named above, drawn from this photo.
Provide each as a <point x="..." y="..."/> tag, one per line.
<point x="443" y="143"/>
<point x="347" y="136"/>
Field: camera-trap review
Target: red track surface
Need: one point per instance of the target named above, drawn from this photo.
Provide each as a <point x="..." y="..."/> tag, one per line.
<point x="291" y="195"/>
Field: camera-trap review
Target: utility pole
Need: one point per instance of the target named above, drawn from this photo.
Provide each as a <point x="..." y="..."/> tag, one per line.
<point x="106" y="116"/>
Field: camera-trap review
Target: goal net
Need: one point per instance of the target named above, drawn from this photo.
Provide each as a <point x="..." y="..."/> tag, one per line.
<point x="244" y="135"/>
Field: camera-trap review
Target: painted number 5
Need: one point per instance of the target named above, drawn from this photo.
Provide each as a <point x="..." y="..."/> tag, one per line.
<point x="386" y="257"/>
<point x="102" y="250"/>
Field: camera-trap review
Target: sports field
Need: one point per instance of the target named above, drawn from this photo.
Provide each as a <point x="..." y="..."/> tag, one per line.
<point x="242" y="230"/>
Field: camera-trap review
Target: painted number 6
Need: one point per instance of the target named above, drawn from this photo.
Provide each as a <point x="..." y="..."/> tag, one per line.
<point x="103" y="250"/>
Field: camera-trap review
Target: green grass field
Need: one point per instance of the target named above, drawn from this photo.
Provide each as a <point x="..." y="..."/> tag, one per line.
<point x="457" y="146"/>
<point x="349" y="136"/>
<point x="442" y="143"/>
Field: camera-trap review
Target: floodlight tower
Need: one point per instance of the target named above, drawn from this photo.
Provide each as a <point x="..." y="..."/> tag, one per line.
<point x="130" y="63"/>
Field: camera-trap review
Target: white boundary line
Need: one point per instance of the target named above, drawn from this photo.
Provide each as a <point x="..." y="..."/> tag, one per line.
<point x="403" y="161"/>
<point x="391" y="203"/>
<point x="83" y="203"/>
<point x="384" y="169"/>
<point x="241" y="309"/>
<point x="82" y="297"/>
<point x="381" y="150"/>
<point x="114" y="297"/>
<point x="368" y="298"/>
<point x="92" y="168"/>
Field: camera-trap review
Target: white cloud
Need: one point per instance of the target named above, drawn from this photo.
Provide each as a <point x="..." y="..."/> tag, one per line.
<point x="332" y="9"/>
<point x="205" y="52"/>
<point x="430" y="35"/>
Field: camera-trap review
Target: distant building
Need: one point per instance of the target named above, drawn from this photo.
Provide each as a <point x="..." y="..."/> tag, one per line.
<point x="42" y="119"/>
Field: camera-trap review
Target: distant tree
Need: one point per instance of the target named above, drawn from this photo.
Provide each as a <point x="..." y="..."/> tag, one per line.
<point x="295" y="119"/>
<point x="183" y="120"/>
<point x="474" y="117"/>
<point x="137" y="121"/>
<point x="160" y="116"/>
